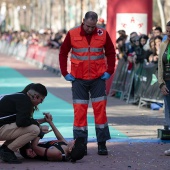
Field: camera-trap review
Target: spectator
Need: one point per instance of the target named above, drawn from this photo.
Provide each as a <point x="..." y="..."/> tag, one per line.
<point x="121" y="48"/>
<point x="157" y="31"/>
<point x="164" y="76"/>
<point x="101" y="23"/>
<point x="139" y="53"/>
<point x="143" y="39"/>
<point x="157" y="41"/>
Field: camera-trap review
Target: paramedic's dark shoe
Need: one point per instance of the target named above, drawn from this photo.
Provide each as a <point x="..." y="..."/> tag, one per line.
<point x="85" y="150"/>
<point x="8" y="156"/>
<point x="102" y="150"/>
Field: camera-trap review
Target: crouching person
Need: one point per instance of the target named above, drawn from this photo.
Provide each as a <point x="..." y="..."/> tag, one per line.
<point x="17" y="125"/>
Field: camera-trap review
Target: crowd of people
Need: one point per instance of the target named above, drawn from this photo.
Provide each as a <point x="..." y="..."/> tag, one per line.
<point x="137" y="53"/>
<point x="139" y="48"/>
<point x="126" y="46"/>
<point x="46" y="38"/>
<point x="153" y="48"/>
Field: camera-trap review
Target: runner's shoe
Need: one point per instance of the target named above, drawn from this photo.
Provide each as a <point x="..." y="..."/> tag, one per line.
<point x="167" y="152"/>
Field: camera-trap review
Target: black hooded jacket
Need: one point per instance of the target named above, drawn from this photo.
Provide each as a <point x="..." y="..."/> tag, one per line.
<point x="17" y="108"/>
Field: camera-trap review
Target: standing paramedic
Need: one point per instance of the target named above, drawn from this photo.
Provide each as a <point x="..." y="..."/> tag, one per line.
<point x="92" y="63"/>
<point x="17" y="126"/>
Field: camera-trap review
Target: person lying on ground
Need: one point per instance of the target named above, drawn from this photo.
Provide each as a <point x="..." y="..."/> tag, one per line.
<point x="55" y="150"/>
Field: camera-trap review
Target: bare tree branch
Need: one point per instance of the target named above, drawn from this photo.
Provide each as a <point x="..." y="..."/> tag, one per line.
<point x="162" y="16"/>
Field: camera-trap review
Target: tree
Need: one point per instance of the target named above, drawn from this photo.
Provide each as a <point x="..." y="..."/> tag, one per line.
<point x="161" y="11"/>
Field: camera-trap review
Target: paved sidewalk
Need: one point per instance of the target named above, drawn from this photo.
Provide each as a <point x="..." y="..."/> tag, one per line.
<point x="140" y="151"/>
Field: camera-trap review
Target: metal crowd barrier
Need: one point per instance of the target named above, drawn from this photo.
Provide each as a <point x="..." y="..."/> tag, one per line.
<point x="52" y="62"/>
<point x="139" y="85"/>
<point x="118" y="83"/>
<point x="42" y="57"/>
<point x="150" y="91"/>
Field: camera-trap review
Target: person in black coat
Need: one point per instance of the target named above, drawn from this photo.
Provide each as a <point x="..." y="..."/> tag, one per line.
<point x="17" y="125"/>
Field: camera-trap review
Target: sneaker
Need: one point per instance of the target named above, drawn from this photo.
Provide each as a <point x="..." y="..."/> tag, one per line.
<point x="8" y="156"/>
<point x="102" y="150"/>
<point x="167" y="152"/>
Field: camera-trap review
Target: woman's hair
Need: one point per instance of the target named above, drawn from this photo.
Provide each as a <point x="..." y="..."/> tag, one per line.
<point x="150" y="42"/>
<point x="158" y="37"/>
<point x="122" y="32"/>
<point x="78" y="151"/>
<point x="27" y="88"/>
<point x="23" y="151"/>
<point x="168" y="23"/>
<point x="144" y="36"/>
<point x="41" y="89"/>
<point x="121" y="38"/>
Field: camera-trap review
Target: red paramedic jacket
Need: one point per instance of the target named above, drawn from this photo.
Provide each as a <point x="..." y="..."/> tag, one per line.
<point x="91" y="55"/>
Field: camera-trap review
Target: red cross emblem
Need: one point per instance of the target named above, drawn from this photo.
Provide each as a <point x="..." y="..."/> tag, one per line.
<point x="99" y="32"/>
<point x="140" y="25"/>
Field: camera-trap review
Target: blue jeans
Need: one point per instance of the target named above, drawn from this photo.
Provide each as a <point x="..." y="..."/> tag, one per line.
<point x="167" y="105"/>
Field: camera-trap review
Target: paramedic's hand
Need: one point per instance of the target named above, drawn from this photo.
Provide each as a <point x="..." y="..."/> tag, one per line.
<point x="105" y="76"/>
<point x="69" y="77"/>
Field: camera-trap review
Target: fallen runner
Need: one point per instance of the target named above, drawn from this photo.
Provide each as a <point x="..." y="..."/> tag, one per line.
<point x="55" y="150"/>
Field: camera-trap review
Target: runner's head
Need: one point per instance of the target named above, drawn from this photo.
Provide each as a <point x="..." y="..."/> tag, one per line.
<point x="78" y="150"/>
